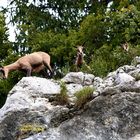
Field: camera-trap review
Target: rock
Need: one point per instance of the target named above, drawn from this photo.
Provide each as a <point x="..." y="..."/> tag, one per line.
<point x="123" y="78"/>
<point x="111" y="91"/>
<point x="105" y="118"/>
<point x="72" y="88"/>
<point x="137" y="137"/>
<point x="27" y="105"/>
<point x="111" y="74"/>
<point x="138" y="66"/>
<point x="126" y="68"/>
<point x="130" y="87"/>
<point x="112" y="114"/>
<point x="36" y="86"/>
<point x="97" y="82"/>
<point x="135" y="74"/>
<point x="88" y="79"/>
<point x="136" y="61"/>
<point x="109" y="81"/>
<point x="79" y="78"/>
<point x="100" y="88"/>
<point x="74" y="77"/>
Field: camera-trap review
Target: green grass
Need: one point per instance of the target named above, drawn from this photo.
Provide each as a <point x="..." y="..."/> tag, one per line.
<point x="63" y="97"/>
<point x="83" y="96"/>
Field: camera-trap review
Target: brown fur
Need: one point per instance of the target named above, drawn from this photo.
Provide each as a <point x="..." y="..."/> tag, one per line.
<point x="79" y="58"/>
<point x="34" y="62"/>
<point x="125" y="47"/>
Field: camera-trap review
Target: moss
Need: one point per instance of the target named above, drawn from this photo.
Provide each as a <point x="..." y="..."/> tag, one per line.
<point x="137" y="76"/>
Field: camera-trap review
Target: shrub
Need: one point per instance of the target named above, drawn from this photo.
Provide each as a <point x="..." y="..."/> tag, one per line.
<point x="7" y="84"/>
<point x="62" y="98"/>
<point x="5" y="87"/>
<point x="108" y="58"/>
<point x="83" y="96"/>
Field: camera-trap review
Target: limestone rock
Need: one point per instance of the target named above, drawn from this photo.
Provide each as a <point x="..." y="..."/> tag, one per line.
<point x="79" y="78"/>
<point x="112" y="114"/>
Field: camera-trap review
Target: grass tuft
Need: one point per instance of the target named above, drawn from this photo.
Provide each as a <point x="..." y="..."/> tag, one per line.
<point x="63" y="97"/>
<point x="83" y="96"/>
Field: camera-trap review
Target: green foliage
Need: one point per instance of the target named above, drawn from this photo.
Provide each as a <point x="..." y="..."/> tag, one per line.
<point x="5" y="87"/>
<point x="103" y="40"/>
<point x="83" y="96"/>
<point x="107" y="59"/>
<point x="4" y="43"/>
<point x="136" y="76"/>
<point x="5" y="46"/>
<point x="124" y="25"/>
<point x="59" y="30"/>
<point x="62" y="98"/>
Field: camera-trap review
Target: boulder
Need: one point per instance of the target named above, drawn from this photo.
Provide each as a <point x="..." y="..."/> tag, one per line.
<point x="123" y="78"/>
<point x="136" y="61"/>
<point x="79" y="78"/>
<point x="107" y="117"/>
<point x="113" y="113"/>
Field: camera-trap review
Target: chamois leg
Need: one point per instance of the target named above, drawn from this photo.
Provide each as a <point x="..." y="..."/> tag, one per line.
<point x="44" y="73"/>
<point x="49" y="67"/>
<point x="29" y="71"/>
<point x="51" y="71"/>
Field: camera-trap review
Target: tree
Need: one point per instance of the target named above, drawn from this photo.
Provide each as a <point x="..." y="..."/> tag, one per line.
<point x="5" y="46"/>
<point x="4" y="43"/>
<point x="57" y="26"/>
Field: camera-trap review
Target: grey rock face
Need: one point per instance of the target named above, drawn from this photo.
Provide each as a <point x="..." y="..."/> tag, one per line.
<point x="136" y="61"/>
<point x="123" y="78"/>
<point x="79" y="78"/>
<point x="112" y="114"/>
<point x="108" y="117"/>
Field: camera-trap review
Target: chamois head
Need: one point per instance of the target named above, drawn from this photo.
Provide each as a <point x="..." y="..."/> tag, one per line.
<point x="80" y="50"/>
<point x="125" y="47"/>
<point x="2" y="73"/>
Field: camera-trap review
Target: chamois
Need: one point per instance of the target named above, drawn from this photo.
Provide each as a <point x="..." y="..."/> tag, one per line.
<point x="80" y="59"/>
<point x="125" y="47"/>
<point x="34" y="62"/>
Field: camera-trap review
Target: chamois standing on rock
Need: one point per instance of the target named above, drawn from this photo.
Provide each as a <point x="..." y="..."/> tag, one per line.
<point x="80" y="59"/>
<point x="34" y="62"/>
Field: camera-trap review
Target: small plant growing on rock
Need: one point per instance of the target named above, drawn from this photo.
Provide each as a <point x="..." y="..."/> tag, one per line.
<point x="137" y="76"/>
<point x="83" y="96"/>
<point x="63" y="97"/>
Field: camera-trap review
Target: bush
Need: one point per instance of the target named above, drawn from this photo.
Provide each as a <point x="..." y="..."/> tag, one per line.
<point x="5" y="87"/>
<point x="83" y="96"/>
<point x="7" y="84"/>
<point x="62" y="98"/>
<point x="109" y="58"/>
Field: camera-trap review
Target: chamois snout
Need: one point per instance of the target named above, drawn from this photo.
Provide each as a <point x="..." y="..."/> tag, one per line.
<point x="81" y="53"/>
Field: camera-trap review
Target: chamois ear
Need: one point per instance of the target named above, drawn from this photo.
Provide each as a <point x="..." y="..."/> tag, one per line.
<point x="1" y="68"/>
<point x="84" y="43"/>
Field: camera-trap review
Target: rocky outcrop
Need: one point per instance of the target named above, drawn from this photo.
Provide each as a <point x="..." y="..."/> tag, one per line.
<point x="112" y="114"/>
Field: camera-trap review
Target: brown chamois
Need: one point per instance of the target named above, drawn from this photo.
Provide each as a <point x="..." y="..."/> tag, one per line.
<point x="34" y="62"/>
<point x="80" y="59"/>
<point x="125" y="47"/>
